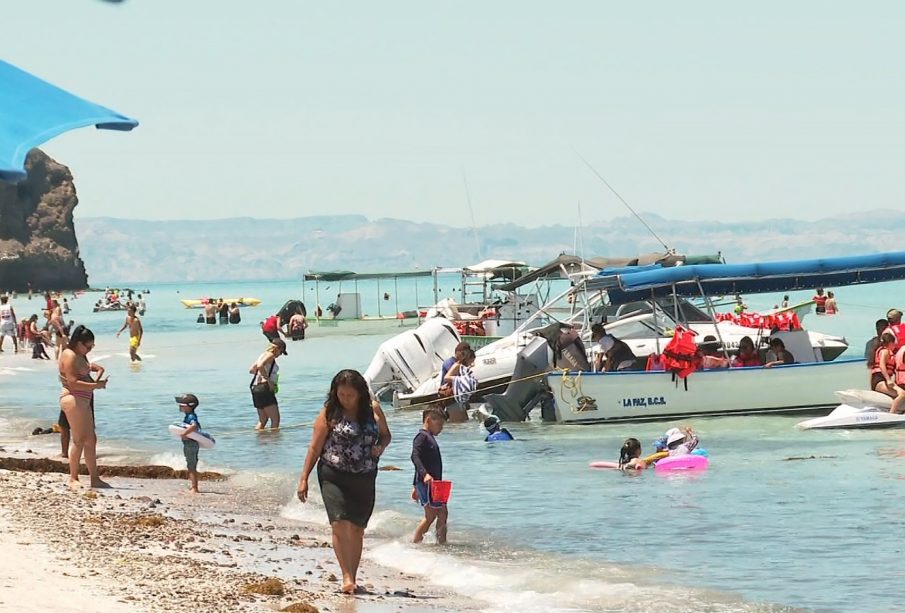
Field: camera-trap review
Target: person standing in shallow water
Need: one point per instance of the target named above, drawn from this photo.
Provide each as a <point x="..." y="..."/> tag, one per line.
<point x="77" y="403"/>
<point x="135" y="333"/>
<point x="265" y="385"/>
<point x="349" y="436"/>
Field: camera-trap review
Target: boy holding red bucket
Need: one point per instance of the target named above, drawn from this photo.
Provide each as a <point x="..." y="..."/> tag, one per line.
<point x="430" y="490"/>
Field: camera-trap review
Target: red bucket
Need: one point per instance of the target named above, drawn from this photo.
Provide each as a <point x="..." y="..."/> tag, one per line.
<point x="440" y="491"/>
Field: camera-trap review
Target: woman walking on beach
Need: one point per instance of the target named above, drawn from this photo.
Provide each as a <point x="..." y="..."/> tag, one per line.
<point x="77" y="403"/>
<point x="349" y="436"/>
<point x="264" y="386"/>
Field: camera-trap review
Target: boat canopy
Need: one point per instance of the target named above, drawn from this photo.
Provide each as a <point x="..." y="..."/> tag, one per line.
<point x="348" y="275"/>
<point x="498" y="269"/>
<point x="760" y="277"/>
<point x="572" y="264"/>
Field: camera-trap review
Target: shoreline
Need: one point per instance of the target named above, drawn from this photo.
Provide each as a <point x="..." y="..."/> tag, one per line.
<point x="170" y="550"/>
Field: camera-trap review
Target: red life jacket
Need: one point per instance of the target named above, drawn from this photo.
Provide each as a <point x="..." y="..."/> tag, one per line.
<point x="897" y="330"/>
<point x="681" y="354"/>
<point x="890" y="363"/>
<point x="655" y="362"/>
<point x="900" y="366"/>
<point x="820" y="304"/>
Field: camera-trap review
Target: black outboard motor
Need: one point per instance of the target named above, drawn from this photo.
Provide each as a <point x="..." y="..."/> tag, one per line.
<point x="529" y="388"/>
<point x="567" y="346"/>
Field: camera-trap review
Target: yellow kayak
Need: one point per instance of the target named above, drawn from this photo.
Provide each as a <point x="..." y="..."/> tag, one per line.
<point x="200" y="303"/>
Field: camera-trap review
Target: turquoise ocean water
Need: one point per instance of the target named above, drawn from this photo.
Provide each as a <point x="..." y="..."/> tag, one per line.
<point x="532" y="528"/>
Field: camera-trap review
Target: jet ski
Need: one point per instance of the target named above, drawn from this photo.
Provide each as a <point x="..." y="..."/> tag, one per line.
<point x="859" y="409"/>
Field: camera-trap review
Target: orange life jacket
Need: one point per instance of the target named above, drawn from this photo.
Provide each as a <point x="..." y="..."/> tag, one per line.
<point x="890" y="363"/>
<point x="900" y="366"/>
<point x="681" y="354"/>
<point x="897" y="330"/>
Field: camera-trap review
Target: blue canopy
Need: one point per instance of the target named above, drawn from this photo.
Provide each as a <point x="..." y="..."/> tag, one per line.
<point x="33" y="111"/>
<point x="723" y="279"/>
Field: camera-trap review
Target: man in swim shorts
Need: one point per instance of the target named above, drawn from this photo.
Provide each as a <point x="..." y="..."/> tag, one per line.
<point x="135" y="332"/>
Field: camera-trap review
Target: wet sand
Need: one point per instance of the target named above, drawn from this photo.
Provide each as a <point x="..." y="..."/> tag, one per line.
<point x="149" y="545"/>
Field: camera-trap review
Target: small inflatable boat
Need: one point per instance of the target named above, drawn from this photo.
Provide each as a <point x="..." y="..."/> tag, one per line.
<point x="859" y="409"/>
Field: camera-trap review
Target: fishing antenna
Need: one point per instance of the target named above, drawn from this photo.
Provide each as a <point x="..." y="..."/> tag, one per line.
<point x="627" y="205"/>
<point x="474" y="227"/>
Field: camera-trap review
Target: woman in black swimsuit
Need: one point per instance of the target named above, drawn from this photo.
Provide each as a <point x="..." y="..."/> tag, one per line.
<point x="350" y="435"/>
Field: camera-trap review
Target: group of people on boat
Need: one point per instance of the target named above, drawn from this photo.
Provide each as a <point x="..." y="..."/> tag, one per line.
<point x="613" y="354"/>
<point x="885" y="355"/>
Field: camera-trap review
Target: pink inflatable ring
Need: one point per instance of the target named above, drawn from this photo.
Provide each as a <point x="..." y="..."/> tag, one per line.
<point x="682" y="462"/>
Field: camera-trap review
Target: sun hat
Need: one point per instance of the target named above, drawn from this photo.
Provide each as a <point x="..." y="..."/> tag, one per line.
<point x="674" y="435"/>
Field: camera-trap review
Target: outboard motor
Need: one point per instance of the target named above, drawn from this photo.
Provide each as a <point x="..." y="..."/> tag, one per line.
<point x="528" y="388"/>
<point x="567" y="346"/>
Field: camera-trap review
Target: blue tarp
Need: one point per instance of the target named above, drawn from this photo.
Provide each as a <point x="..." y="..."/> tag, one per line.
<point x="33" y="111"/>
<point x="727" y="279"/>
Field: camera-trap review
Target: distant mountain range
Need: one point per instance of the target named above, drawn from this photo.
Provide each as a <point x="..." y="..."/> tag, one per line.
<point x="239" y="249"/>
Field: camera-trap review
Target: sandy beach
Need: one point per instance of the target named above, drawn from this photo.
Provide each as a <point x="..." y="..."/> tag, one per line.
<point x="148" y="545"/>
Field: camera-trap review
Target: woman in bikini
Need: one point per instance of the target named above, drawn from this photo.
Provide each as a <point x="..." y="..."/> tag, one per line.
<point x="77" y="403"/>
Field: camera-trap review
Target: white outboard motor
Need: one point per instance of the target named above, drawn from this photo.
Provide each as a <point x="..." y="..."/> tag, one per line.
<point x="406" y="361"/>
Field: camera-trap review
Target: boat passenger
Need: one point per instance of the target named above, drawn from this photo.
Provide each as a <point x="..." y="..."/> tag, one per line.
<point x="619" y="356"/>
<point x="747" y="355"/>
<point x="740" y="307"/>
<point x="883" y="375"/>
<point x="777" y="355"/>
<point x="831" y="307"/>
<point x="894" y="317"/>
<point x="711" y="356"/>
<point x="495" y="432"/>
<point x="785" y="302"/>
<point x="819" y="302"/>
<point x="870" y="349"/>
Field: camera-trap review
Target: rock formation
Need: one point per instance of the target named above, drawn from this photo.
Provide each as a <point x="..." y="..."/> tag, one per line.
<point x="37" y="237"/>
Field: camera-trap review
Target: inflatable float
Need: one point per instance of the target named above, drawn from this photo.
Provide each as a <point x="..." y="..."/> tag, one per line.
<point x="682" y="462"/>
<point x="696" y="460"/>
<point x="200" y="303"/>
<point x="205" y="440"/>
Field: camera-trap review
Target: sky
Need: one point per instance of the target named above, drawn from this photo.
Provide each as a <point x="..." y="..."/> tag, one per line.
<point x="475" y="112"/>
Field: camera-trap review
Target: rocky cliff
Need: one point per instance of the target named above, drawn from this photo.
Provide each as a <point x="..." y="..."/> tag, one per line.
<point x="37" y="237"/>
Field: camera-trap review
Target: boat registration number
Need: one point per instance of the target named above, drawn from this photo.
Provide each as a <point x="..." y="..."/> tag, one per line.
<point x="489" y="361"/>
<point x="644" y="401"/>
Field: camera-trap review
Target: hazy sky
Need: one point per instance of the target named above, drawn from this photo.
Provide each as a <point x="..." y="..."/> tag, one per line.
<point x="288" y="108"/>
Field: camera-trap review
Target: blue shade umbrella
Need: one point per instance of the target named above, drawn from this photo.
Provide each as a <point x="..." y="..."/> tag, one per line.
<point x="33" y="111"/>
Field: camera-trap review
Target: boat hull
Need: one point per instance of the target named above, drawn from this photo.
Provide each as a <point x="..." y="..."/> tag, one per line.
<point x="651" y="396"/>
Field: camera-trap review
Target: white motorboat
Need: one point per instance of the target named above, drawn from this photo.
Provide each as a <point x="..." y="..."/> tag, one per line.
<point x="584" y="397"/>
<point x="859" y="409"/>
<point x="645" y="328"/>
